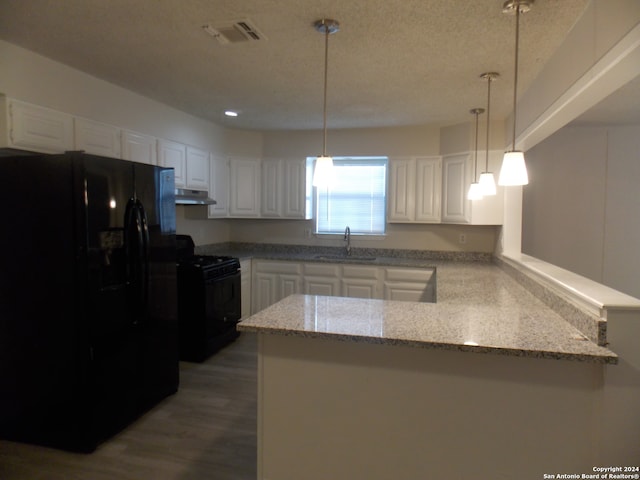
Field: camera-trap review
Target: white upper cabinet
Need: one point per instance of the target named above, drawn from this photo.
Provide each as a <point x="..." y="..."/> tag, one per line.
<point x="197" y="175"/>
<point x="219" y="186"/>
<point x="191" y="165"/>
<point x="272" y="191"/>
<point x="428" y="195"/>
<point x="457" y="175"/>
<point x="173" y="155"/>
<point x="284" y="188"/>
<point x="489" y="210"/>
<point x="414" y="190"/>
<point x="245" y="182"/>
<point x="97" y="138"/>
<point x="138" y="147"/>
<point x="29" y="127"/>
<point x="296" y="189"/>
<point x="456" y="178"/>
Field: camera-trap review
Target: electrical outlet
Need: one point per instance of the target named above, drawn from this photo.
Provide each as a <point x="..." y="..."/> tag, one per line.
<point x="307" y="233"/>
<point x="462" y="238"/>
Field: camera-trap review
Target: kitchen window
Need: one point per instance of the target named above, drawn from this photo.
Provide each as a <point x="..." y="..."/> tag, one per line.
<point x="356" y="197"/>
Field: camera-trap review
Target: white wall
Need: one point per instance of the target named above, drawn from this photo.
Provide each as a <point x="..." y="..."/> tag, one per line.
<point x="580" y="210"/>
<point x="420" y="140"/>
<point x="600" y="54"/>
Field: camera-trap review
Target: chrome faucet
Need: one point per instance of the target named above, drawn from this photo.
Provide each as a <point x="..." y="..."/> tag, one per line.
<point x="347" y="238"/>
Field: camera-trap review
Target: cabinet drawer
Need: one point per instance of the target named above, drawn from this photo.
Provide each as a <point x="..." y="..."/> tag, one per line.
<point x="409" y="274"/>
<point x="359" y="271"/>
<point x="322" y="270"/>
<point x="277" y="267"/>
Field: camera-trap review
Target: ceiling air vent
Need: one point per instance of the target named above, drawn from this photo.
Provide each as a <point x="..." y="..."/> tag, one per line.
<point x="234" y="32"/>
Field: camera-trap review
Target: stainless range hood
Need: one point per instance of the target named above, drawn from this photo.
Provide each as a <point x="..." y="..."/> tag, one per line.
<point x="185" y="196"/>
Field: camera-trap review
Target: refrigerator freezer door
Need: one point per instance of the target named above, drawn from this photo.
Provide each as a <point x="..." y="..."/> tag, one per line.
<point x="154" y="187"/>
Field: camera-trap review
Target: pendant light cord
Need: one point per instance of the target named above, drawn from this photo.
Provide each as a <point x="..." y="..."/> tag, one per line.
<point x="515" y="76"/>
<point x="324" y="112"/>
<point x="475" y="169"/>
<point x="489" y="78"/>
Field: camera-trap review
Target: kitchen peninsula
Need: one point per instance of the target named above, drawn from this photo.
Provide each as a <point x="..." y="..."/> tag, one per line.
<point x="489" y="382"/>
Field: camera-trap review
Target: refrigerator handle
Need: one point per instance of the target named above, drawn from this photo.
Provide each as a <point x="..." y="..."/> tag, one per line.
<point x="134" y="258"/>
<point x="144" y="257"/>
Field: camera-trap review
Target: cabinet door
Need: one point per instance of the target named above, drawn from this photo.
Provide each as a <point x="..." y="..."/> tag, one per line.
<point x="39" y="129"/>
<point x="455" y="183"/>
<point x="428" y="181"/>
<point x="273" y="281"/>
<point x="138" y="147"/>
<point x="219" y="186"/>
<point x="245" y="286"/>
<point x="410" y="284"/>
<point x="359" y="288"/>
<point x="289" y="284"/>
<point x="97" y="138"/>
<point x="264" y="290"/>
<point x="197" y="176"/>
<point x="489" y="210"/>
<point x="173" y="155"/>
<point x="295" y="189"/>
<point x="322" y="279"/>
<point x="401" y="190"/>
<point x="361" y="281"/>
<point x="245" y="187"/>
<point x="271" y="188"/>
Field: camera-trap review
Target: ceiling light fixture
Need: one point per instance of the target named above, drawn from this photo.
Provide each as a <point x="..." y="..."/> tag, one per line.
<point x="230" y="113"/>
<point x="514" y="170"/>
<point x="324" y="163"/>
<point x="487" y="181"/>
<point x="474" y="192"/>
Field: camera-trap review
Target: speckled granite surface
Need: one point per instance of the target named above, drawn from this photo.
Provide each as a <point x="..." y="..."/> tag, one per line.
<point x="381" y="256"/>
<point x="480" y="308"/>
<point x="511" y="329"/>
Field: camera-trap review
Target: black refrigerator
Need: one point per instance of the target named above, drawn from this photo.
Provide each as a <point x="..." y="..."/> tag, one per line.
<point x="88" y="306"/>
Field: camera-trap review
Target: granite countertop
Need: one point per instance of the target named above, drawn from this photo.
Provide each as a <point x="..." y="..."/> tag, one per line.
<point x="480" y="308"/>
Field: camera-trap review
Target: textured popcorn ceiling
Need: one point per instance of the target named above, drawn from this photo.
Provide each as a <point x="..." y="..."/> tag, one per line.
<point x="393" y="63"/>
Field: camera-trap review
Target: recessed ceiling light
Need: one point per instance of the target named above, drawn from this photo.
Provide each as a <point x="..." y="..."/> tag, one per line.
<point x="230" y="113"/>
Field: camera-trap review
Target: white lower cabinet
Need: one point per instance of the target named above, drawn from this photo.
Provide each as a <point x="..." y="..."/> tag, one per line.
<point x="409" y="284"/>
<point x="321" y="279"/>
<point x="274" y="280"/>
<point x="360" y="281"/>
<point x="245" y="286"/>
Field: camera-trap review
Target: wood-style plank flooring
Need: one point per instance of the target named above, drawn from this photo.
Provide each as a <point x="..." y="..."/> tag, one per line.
<point x="205" y="431"/>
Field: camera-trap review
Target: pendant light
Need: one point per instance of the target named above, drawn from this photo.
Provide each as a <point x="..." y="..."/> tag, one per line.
<point x="474" y="192"/>
<point x="514" y="170"/>
<point x="323" y="171"/>
<point x="487" y="181"/>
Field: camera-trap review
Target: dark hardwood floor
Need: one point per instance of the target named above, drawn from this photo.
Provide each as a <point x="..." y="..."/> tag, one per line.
<point x="205" y="431"/>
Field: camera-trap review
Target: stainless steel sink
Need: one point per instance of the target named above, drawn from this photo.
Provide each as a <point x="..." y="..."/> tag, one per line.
<point x="344" y="258"/>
